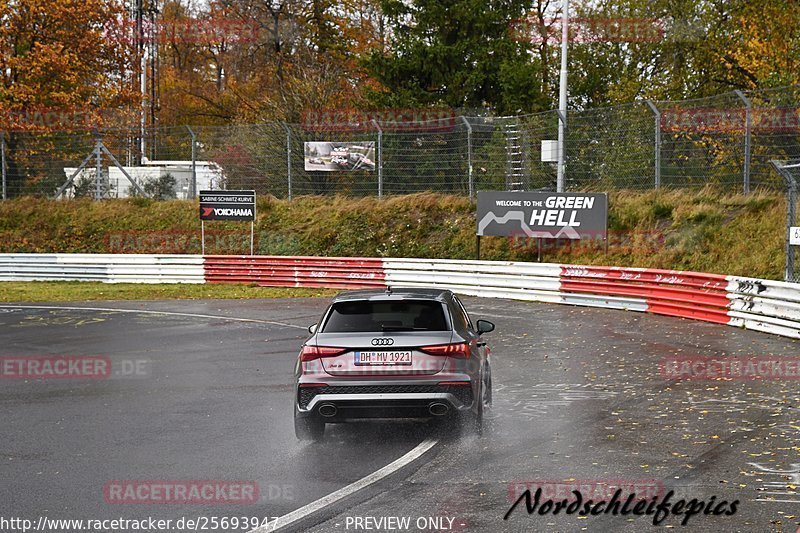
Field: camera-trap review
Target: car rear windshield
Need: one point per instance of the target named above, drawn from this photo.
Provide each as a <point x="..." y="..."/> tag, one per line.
<point x="367" y="316"/>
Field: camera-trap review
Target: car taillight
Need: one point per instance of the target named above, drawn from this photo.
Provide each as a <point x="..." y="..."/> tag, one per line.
<point x="451" y="350"/>
<point x="310" y="353"/>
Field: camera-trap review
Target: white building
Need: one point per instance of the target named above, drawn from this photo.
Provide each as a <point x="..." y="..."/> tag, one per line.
<point x="209" y="177"/>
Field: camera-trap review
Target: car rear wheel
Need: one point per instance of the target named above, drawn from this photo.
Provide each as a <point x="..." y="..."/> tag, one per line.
<point x="472" y="421"/>
<point x="484" y="403"/>
<point x="309" y="429"/>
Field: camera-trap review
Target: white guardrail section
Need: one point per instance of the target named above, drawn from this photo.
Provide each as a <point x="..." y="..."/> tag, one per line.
<point x="764" y="305"/>
<point x="108" y="268"/>
<point x="757" y="304"/>
<point x="537" y="282"/>
<point x="761" y="305"/>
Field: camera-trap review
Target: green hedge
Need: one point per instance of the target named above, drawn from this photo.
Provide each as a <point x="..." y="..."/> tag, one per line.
<point x="705" y="230"/>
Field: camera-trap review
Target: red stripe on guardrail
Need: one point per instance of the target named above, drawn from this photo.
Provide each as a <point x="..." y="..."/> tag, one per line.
<point x="694" y="295"/>
<point x="700" y="280"/>
<point x="295" y="271"/>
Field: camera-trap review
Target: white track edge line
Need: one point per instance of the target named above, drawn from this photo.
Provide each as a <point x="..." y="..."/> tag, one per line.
<point x="298" y="514"/>
<point x="147" y="311"/>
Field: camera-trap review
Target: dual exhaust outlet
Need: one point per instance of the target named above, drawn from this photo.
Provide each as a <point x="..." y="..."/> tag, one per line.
<point x="328" y="410"/>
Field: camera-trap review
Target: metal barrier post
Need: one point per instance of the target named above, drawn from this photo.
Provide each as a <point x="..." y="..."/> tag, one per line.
<point x="791" y="202"/>
<point x="469" y="158"/>
<point x="98" y="169"/>
<point x="790" y="218"/>
<point x="288" y="159"/>
<point x="380" y="158"/>
<point x="657" y="114"/>
<point x="747" y="127"/>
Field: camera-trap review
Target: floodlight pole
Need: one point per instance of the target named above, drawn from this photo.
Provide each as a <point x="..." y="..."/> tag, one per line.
<point x="562" y="95"/>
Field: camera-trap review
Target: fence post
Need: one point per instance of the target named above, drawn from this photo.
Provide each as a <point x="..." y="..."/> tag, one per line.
<point x="469" y="158"/>
<point x="288" y="159"/>
<point x="98" y="168"/>
<point x="790" y="218"/>
<point x="657" y="114"/>
<point x="747" y="127"/>
<point x="3" y="162"/>
<point x="193" y="184"/>
<point x="791" y="201"/>
<point x="380" y="157"/>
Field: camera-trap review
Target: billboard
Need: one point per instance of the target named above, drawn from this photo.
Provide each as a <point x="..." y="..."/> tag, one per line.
<point x="228" y="205"/>
<point x="549" y="215"/>
<point x="339" y="156"/>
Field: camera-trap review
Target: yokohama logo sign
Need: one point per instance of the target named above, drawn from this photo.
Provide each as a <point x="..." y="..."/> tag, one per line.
<point x="228" y="205"/>
<point x="226" y="212"/>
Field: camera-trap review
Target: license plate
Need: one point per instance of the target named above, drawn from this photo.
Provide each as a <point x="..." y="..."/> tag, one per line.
<point x="383" y="358"/>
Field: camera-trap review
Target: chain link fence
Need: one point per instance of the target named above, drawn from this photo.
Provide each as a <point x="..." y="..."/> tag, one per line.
<point x="726" y="140"/>
<point x="790" y="172"/>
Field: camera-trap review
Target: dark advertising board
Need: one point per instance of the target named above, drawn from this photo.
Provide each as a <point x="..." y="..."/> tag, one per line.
<point x="228" y="205"/>
<point x="549" y="215"/>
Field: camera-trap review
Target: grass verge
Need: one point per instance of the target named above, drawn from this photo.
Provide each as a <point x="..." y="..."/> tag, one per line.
<point x="63" y="291"/>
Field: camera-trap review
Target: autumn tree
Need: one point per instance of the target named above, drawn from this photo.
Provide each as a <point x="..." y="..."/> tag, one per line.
<point x="58" y="56"/>
<point x="277" y="59"/>
<point x="676" y="49"/>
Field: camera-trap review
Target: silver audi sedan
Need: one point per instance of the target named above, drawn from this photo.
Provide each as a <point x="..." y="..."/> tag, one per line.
<point x="398" y="353"/>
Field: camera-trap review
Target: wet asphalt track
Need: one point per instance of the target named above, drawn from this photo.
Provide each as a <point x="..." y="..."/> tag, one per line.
<point x="578" y="396"/>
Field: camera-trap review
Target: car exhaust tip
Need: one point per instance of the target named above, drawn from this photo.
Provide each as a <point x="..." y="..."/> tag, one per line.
<point x="438" y="409"/>
<point x="327" y="410"/>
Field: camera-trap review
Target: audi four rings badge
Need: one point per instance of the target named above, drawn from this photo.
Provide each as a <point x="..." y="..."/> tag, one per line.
<point x="382" y="341"/>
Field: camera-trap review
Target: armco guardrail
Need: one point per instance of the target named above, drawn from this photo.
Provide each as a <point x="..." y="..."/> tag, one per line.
<point x="763" y="305"/>
<point x="108" y="268"/>
<point x="281" y="271"/>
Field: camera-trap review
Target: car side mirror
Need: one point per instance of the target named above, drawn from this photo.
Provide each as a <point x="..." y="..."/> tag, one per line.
<point x="484" y="326"/>
<point x="312" y="328"/>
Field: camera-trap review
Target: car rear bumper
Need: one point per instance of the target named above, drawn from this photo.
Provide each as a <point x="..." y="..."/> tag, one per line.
<point x="338" y="402"/>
